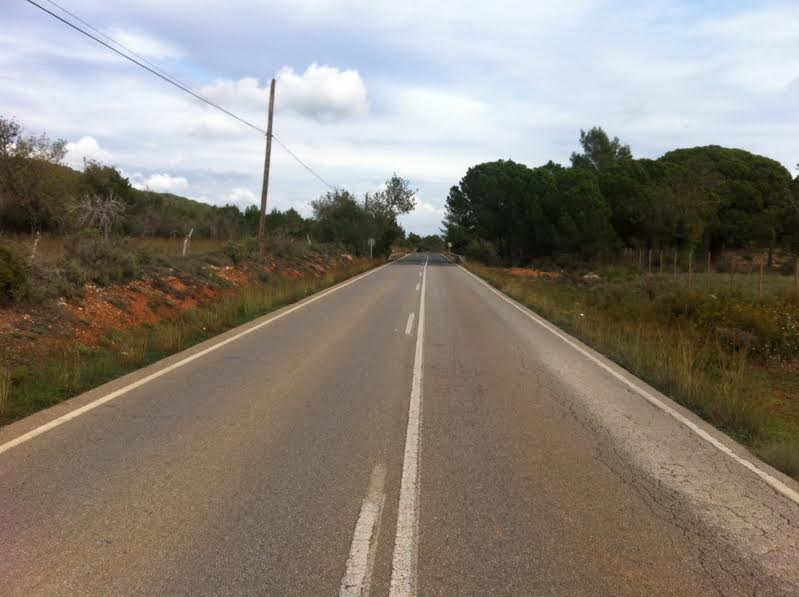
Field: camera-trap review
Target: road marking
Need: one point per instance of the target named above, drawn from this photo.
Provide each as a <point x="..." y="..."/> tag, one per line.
<point x="417" y="287"/>
<point x="404" y="564"/>
<point x="420" y="273"/>
<point x="360" y="563"/>
<point x="772" y="481"/>
<point x="409" y="326"/>
<point x="117" y="393"/>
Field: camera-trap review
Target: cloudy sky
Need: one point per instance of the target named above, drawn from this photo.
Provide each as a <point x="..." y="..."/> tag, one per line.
<point x="425" y="89"/>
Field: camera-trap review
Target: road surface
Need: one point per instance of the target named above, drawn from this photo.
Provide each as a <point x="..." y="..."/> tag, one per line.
<point x="408" y="432"/>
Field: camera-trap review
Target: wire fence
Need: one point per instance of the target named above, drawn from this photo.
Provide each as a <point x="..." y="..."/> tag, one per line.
<point x="752" y="274"/>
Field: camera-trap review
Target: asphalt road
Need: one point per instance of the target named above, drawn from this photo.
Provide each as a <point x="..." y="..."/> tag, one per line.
<point x="409" y="432"/>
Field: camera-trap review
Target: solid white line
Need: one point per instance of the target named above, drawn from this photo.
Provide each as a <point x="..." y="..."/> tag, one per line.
<point x="409" y="326"/>
<point x="772" y="481"/>
<point x="360" y="563"/>
<point x="404" y="564"/>
<point x="116" y="393"/>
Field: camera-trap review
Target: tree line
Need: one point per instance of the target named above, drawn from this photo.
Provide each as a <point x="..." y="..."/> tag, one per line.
<point x="39" y="193"/>
<point x="704" y="198"/>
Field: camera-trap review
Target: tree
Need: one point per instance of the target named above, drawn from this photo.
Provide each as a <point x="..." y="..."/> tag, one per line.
<point x="27" y="175"/>
<point x="99" y="179"/>
<point x="339" y="217"/>
<point x="599" y="151"/>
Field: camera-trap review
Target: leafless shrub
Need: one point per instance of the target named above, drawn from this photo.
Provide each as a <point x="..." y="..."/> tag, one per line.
<point x="98" y="211"/>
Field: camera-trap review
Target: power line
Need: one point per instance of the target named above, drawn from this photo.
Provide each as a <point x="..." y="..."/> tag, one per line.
<point x="162" y="74"/>
<point x="303" y="164"/>
<point x="118" y="43"/>
<point x="147" y="68"/>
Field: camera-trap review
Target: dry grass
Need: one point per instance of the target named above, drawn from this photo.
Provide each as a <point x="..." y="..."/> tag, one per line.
<point x="5" y="390"/>
<point x="53" y="247"/>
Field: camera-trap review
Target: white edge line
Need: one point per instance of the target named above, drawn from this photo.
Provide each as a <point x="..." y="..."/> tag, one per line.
<point x="772" y="481"/>
<point x="404" y="563"/>
<point x="360" y="562"/>
<point x="409" y="326"/>
<point x="117" y="393"/>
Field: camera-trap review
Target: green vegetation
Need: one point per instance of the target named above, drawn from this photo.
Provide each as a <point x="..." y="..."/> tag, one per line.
<point x="720" y="355"/>
<point x="13" y="276"/>
<point x="703" y="199"/>
<point x="79" y="368"/>
<point x="340" y="217"/>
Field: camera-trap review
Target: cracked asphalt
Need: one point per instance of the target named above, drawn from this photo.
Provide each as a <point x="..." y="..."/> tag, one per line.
<point x="244" y="471"/>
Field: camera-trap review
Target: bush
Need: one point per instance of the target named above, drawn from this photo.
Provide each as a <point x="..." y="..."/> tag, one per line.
<point x="13" y="276"/>
<point x="104" y="261"/>
<point x="238" y="251"/>
<point x="483" y="251"/>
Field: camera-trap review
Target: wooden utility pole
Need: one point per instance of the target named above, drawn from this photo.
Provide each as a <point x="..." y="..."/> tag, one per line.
<point x="265" y="187"/>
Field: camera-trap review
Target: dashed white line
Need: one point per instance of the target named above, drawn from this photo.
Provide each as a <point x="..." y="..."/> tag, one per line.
<point x="409" y="325"/>
<point x="404" y="563"/>
<point x="360" y="563"/>
<point x="417" y="287"/>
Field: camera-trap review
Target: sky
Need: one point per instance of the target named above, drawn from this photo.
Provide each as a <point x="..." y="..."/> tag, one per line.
<point x="423" y="89"/>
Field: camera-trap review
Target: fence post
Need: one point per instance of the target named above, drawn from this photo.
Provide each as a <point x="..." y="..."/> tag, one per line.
<point x="640" y="258"/>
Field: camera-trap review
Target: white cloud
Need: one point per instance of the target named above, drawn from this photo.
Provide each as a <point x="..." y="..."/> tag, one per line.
<point x="145" y="44"/>
<point x="86" y="148"/>
<point x="242" y="196"/>
<point x="215" y="125"/>
<point x="323" y="93"/>
<point x="161" y="183"/>
<point x="424" y="219"/>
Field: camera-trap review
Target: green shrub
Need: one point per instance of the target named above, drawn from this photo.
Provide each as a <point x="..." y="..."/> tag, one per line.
<point x="237" y="251"/>
<point x="13" y="276"/>
<point x="104" y="261"/>
<point x="483" y="251"/>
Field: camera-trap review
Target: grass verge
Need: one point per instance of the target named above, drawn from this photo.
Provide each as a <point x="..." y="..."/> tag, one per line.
<point x="694" y="364"/>
<point x="80" y="368"/>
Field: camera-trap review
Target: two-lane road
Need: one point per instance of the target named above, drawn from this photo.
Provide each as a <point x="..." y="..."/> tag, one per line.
<point x="408" y="432"/>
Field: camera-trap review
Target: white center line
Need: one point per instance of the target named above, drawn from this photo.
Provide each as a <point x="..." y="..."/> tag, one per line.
<point x="409" y="326"/>
<point x="358" y="576"/>
<point x="404" y="564"/>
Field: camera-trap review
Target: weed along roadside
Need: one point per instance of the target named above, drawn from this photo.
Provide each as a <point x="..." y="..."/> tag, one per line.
<point x="731" y="359"/>
<point x="116" y="330"/>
